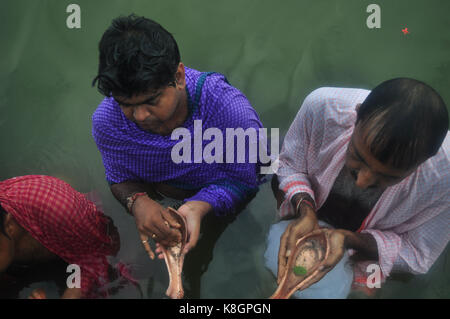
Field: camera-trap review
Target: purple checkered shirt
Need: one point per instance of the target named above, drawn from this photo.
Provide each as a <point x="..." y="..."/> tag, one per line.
<point x="132" y="154"/>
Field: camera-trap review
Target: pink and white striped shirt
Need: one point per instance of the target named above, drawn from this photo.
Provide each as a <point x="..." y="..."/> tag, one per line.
<point x="411" y="220"/>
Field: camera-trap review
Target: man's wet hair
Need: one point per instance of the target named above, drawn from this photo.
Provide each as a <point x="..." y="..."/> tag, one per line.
<point x="136" y="55"/>
<point x="404" y="122"/>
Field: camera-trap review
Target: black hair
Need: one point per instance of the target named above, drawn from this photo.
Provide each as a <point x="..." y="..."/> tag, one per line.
<point x="405" y="122"/>
<point x="136" y="55"/>
<point x="2" y="220"/>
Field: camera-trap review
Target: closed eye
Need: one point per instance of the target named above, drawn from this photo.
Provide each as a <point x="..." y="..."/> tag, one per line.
<point x="153" y="100"/>
<point x="356" y="156"/>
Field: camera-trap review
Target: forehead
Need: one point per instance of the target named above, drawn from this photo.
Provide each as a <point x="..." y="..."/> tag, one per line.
<point x="360" y="146"/>
<point x="138" y="99"/>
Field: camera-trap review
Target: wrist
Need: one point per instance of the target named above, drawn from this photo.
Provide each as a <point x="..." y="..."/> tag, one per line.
<point x="200" y="207"/>
<point x="303" y="204"/>
<point x="349" y="239"/>
<point x="132" y="199"/>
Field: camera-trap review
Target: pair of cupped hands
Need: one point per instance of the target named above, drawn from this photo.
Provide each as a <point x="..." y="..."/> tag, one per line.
<point x="153" y="221"/>
<point x="305" y="224"/>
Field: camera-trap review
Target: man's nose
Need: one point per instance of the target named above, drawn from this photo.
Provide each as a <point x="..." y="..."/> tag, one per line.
<point x="365" y="178"/>
<point x="140" y="113"/>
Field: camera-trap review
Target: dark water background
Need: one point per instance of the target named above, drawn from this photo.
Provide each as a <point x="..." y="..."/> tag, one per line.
<point x="275" y="52"/>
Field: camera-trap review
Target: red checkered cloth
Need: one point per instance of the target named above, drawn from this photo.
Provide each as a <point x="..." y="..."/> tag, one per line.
<point x="66" y="223"/>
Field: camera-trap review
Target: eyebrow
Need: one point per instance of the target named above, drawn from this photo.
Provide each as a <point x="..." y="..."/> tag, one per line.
<point x="362" y="160"/>
<point x="147" y="101"/>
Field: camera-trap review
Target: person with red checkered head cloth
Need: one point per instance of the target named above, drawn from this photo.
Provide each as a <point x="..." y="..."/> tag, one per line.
<point x="44" y="219"/>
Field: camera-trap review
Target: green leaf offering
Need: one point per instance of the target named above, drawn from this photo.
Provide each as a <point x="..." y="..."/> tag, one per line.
<point x="300" y="271"/>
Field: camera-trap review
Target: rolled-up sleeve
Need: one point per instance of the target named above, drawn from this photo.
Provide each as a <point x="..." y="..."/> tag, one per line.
<point x="416" y="250"/>
<point x="293" y="164"/>
<point x="224" y="196"/>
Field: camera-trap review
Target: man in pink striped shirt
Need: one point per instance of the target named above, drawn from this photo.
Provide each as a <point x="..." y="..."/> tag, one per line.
<point x="373" y="165"/>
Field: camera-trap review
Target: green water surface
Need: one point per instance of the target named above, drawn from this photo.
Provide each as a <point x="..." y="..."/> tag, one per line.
<point x="276" y="52"/>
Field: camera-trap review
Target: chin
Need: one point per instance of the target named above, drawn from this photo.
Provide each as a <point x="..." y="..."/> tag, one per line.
<point x="158" y="131"/>
<point x="165" y="133"/>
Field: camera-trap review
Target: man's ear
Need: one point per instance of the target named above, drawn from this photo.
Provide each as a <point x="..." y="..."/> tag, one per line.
<point x="180" y="79"/>
<point x="12" y="228"/>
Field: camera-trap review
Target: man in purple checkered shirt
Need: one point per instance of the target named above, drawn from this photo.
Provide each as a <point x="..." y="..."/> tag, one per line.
<point x="150" y="93"/>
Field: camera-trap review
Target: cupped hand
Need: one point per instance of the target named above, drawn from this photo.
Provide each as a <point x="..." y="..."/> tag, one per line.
<point x="298" y="228"/>
<point x="337" y="250"/>
<point x="152" y="222"/>
<point x="194" y="212"/>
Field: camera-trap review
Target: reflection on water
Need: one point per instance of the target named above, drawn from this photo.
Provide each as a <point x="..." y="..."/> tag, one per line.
<point x="228" y="262"/>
